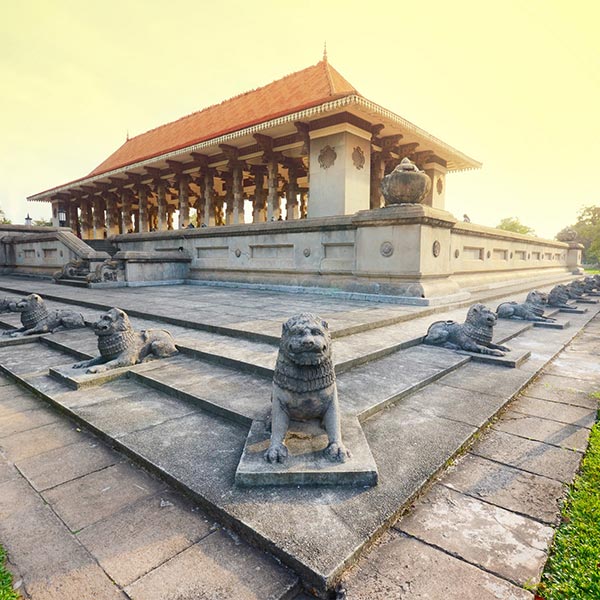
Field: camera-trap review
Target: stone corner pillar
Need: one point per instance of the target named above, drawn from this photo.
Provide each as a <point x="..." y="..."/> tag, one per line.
<point x="574" y="257"/>
<point x="339" y="170"/>
<point x="437" y="170"/>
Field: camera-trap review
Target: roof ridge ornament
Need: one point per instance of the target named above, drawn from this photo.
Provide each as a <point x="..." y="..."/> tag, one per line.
<point x="325" y="51"/>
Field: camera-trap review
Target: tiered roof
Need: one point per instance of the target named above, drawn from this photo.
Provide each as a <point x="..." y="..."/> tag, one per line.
<point x="298" y="91"/>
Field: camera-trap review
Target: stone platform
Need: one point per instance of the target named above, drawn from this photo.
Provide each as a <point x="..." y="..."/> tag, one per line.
<point x="187" y="419"/>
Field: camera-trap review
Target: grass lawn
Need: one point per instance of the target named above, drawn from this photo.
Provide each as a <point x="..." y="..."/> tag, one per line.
<point x="6" y="591"/>
<point x="573" y="569"/>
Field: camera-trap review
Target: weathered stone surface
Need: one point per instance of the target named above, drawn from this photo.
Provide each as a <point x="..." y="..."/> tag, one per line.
<point x="511" y="360"/>
<point x="445" y="401"/>
<point x="511" y="546"/>
<point x="86" y="500"/>
<point x="23" y="421"/>
<point x="567" y="390"/>
<point x="18" y="401"/>
<point x="487" y="379"/>
<point x="223" y="568"/>
<point x="144" y="409"/>
<point x="521" y="492"/>
<point x="35" y="441"/>
<point x="529" y="455"/>
<point x="407" y="569"/>
<point x="306" y="464"/>
<point x="143" y="535"/>
<point x="556" y="411"/>
<point x="57" y="466"/>
<point x="30" y="531"/>
<point x="544" y="430"/>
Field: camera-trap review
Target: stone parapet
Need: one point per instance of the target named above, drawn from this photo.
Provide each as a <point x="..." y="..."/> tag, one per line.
<point x="412" y="250"/>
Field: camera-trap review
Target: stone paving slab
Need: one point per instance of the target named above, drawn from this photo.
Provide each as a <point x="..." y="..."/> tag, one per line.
<point x="543" y="430"/>
<point x="52" y="468"/>
<point x="515" y="490"/>
<point x="566" y="390"/>
<point x="555" y="411"/>
<point x="143" y="535"/>
<point x="504" y="543"/>
<point x="42" y="439"/>
<point x="529" y="455"/>
<point x="220" y="567"/>
<point x="23" y="421"/>
<point x="404" y="568"/>
<point x="84" y="501"/>
<point x="53" y="564"/>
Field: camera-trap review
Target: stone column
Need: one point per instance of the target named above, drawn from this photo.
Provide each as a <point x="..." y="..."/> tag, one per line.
<point x="112" y="220"/>
<point x="273" y="209"/>
<point x="291" y="196"/>
<point x="161" y="200"/>
<point x="228" y="179"/>
<point x="73" y="218"/>
<point x="377" y="173"/>
<point x="303" y="204"/>
<point x="259" y="203"/>
<point x="184" y="202"/>
<point x="87" y="226"/>
<point x="209" y="195"/>
<point x="126" y="212"/>
<point x="238" y="194"/>
<point x="143" y="209"/>
<point x="99" y="222"/>
<point x="170" y="211"/>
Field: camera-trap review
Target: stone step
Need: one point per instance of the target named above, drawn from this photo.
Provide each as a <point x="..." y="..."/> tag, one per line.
<point x="80" y="282"/>
<point x="198" y="451"/>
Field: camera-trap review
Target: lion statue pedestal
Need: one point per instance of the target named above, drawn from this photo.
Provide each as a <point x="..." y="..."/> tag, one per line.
<point x="306" y="439"/>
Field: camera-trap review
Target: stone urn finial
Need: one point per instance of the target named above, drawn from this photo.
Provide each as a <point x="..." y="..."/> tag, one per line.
<point x="406" y="184"/>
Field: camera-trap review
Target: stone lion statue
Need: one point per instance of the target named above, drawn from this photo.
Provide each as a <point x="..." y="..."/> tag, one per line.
<point x="7" y="305"/>
<point x="575" y="289"/>
<point x="474" y="335"/>
<point x="530" y="310"/>
<point x="121" y="346"/>
<point x="590" y="284"/>
<point x="304" y="386"/>
<point x="559" y="296"/>
<point x="36" y="318"/>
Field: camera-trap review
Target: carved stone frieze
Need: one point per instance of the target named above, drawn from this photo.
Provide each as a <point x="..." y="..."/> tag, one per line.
<point x="327" y="157"/>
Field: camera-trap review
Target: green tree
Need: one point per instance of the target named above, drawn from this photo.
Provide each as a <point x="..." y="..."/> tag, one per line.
<point x="3" y="219"/>
<point x="513" y="224"/>
<point x="586" y="231"/>
<point x="42" y="223"/>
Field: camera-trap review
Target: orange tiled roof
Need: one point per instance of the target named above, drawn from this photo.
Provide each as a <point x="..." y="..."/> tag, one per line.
<point x="303" y="89"/>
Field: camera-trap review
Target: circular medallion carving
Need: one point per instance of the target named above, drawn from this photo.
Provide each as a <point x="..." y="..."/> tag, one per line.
<point x="439" y="186"/>
<point x="386" y="249"/>
<point x="358" y="158"/>
<point x="456" y="253"/>
<point x="238" y="252"/>
<point x="488" y="254"/>
<point x="327" y="157"/>
<point x="306" y="252"/>
<point x="436" y="249"/>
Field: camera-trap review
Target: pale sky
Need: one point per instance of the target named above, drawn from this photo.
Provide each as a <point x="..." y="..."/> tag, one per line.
<point x="514" y="84"/>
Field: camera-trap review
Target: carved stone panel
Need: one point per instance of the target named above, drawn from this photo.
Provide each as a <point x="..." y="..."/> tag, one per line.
<point x="327" y="157"/>
<point x="358" y="158"/>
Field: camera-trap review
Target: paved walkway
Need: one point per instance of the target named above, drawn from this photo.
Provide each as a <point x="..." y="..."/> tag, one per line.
<point x="482" y="531"/>
<point x="79" y="521"/>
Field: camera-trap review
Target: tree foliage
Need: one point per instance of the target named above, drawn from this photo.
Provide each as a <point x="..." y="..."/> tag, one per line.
<point x="513" y="224"/>
<point x="3" y="219"/>
<point x="42" y="223"/>
<point x="586" y="231"/>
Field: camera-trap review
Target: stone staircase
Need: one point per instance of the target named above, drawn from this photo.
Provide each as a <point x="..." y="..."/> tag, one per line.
<point x="186" y="418"/>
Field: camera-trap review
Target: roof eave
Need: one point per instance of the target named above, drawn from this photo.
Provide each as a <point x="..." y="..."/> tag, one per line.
<point x="462" y="161"/>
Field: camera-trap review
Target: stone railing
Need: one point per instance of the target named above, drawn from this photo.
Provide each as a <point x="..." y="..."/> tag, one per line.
<point x="44" y="251"/>
<point x="413" y="251"/>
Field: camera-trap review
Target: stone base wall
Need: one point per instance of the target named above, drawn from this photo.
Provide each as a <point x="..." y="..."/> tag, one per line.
<point x="407" y="250"/>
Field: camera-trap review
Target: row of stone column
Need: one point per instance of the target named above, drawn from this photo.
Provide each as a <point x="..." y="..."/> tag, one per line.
<point x="110" y="213"/>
